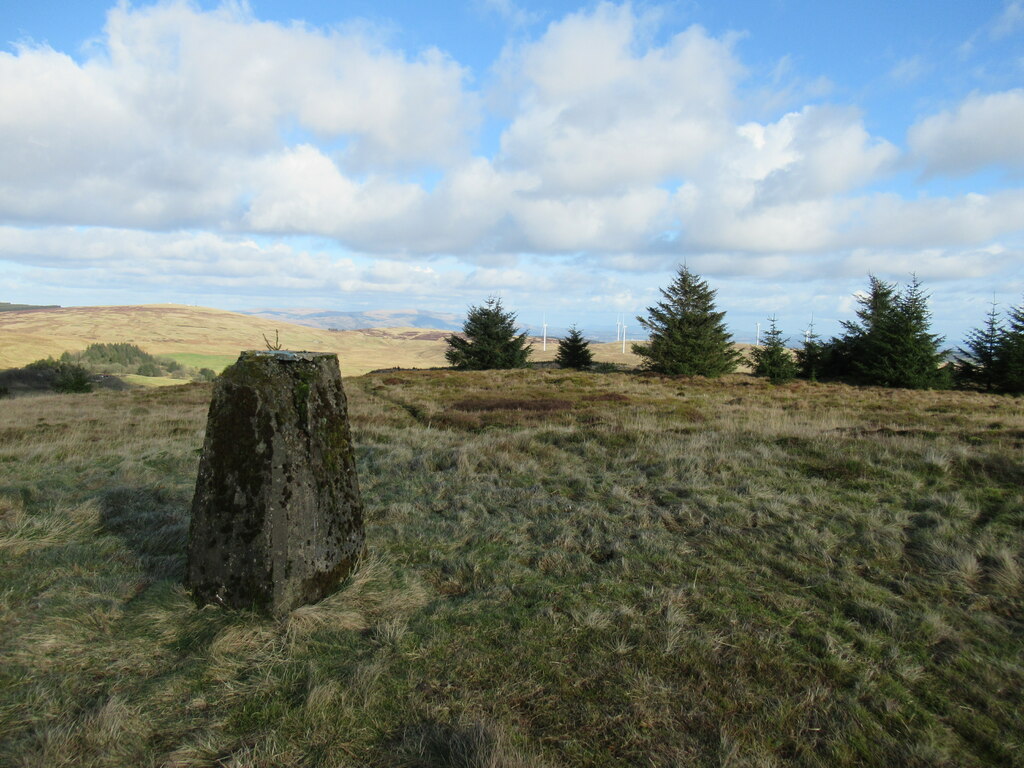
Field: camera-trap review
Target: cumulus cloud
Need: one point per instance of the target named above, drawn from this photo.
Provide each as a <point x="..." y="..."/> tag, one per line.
<point x="821" y="151"/>
<point x="172" y="121"/>
<point x="598" y="110"/>
<point x="982" y="131"/>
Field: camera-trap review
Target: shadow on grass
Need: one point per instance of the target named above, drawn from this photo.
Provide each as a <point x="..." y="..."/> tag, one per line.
<point x="153" y="523"/>
<point x="430" y="744"/>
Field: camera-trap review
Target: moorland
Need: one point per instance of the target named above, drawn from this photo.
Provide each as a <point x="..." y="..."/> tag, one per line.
<point x="563" y="569"/>
<point x="200" y="337"/>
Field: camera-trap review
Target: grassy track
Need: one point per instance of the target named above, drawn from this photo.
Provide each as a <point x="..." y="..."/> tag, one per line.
<point x="564" y="569"/>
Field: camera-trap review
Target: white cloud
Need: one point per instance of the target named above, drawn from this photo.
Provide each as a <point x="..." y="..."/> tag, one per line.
<point x="200" y="261"/>
<point x="824" y="151"/>
<point x="886" y="220"/>
<point x="982" y="131"/>
<point x="610" y="223"/>
<point x="225" y="79"/>
<point x="302" y="190"/>
<point x="167" y="122"/>
<point x="597" y="110"/>
<point x="930" y="264"/>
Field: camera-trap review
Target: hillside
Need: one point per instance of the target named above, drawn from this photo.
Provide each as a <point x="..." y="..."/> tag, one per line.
<point x="203" y="337"/>
<point x="563" y="570"/>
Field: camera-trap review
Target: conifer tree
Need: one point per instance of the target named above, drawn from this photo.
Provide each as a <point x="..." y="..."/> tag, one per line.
<point x="896" y="347"/>
<point x="842" y="356"/>
<point x="810" y="358"/>
<point x="890" y="344"/>
<point x="489" y="340"/>
<point x="686" y="335"/>
<point x="846" y="355"/>
<point x="772" y="360"/>
<point x="1008" y="364"/>
<point x="976" y="365"/>
<point x="574" y="351"/>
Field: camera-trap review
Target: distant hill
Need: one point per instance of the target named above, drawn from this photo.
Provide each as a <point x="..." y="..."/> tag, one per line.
<point x="6" y="306"/>
<point x="211" y="338"/>
<point x="203" y="337"/>
<point x="350" y="321"/>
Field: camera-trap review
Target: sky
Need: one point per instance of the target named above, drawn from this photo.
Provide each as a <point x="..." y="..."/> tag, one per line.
<point x="566" y="157"/>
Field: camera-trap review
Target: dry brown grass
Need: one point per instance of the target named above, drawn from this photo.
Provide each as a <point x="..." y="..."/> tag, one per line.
<point x="658" y="572"/>
<point x="198" y="332"/>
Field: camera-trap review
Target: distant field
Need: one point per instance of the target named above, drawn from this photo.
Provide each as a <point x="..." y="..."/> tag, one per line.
<point x="216" y="363"/>
<point x="152" y="381"/>
<point x="563" y="569"/>
<point x="213" y="338"/>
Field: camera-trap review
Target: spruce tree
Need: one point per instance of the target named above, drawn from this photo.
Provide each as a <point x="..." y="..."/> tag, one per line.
<point x="810" y="358"/>
<point x="686" y="335"/>
<point x="1008" y="364"/>
<point x="861" y="345"/>
<point x="574" y="351"/>
<point x="489" y="340"/>
<point x="976" y="365"/>
<point x="772" y="359"/>
<point x="897" y="348"/>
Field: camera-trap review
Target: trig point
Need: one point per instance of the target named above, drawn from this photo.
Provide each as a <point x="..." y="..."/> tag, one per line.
<point x="276" y="519"/>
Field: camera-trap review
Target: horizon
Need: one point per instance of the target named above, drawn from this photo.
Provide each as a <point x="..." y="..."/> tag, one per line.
<point x="567" y="157"/>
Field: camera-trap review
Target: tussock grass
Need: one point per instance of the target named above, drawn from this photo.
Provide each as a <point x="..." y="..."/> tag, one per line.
<point x="657" y="571"/>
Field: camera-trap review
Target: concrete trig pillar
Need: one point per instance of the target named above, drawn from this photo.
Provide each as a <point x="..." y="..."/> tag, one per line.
<point x="276" y="517"/>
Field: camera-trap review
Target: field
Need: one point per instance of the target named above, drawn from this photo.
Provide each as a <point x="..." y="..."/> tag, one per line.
<point x="563" y="569"/>
<point x="212" y="338"/>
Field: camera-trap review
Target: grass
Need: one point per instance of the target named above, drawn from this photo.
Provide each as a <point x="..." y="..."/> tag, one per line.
<point x="215" y="363"/>
<point x="151" y="381"/>
<point x="564" y="569"/>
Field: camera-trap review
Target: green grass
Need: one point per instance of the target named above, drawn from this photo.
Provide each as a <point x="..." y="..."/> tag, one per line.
<point x="564" y="569"/>
<point x="216" y="363"/>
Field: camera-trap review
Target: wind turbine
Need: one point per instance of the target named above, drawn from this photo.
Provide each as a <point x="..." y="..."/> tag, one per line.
<point x="808" y="329"/>
<point x="545" y="323"/>
<point x="757" y="338"/>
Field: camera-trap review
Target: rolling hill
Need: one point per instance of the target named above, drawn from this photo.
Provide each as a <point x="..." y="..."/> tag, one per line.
<point x="212" y="338"/>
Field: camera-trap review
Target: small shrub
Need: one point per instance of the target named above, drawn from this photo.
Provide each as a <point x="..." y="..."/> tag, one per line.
<point x="207" y="374"/>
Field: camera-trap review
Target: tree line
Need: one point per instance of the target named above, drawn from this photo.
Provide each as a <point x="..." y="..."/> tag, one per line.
<point x="889" y="343"/>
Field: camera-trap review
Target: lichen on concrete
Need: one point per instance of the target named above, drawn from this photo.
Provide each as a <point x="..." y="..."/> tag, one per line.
<point x="276" y="516"/>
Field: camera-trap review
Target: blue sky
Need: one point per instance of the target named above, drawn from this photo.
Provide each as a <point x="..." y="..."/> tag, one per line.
<point x="566" y="156"/>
